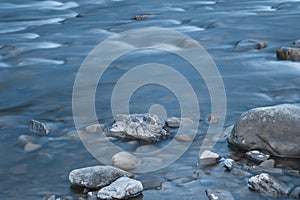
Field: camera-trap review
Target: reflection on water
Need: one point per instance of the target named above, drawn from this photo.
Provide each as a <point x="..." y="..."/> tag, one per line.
<point x="43" y="44"/>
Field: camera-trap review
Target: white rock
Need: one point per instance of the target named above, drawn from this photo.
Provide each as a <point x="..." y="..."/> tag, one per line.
<point x="218" y="194"/>
<point x="257" y="156"/>
<point x="208" y="158"/>
<point x="122" y="188"/>
<point x="125" y="161"/>
<point x="228" y="163"/>
<point x="24" y="139"/>
<point x="31" y="147"/>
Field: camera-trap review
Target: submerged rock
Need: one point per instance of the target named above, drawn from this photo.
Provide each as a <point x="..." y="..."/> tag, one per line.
<point x="218" y="194"/>
<point x="208" y="158"/>
<point x="288" y="53"/>
<point x="94" y="128"/>
<point x="125" y="161"/>
<point x="145" y="127"/>
<point x="273" y="129"/>
<point x="257" y="156"/>
<point x="140" y="17"/>
<point x="31" y="147"/>
<point x="296" y="43"/>
<point x="249" y="44"/>
<point x="39" y="127"/>
<point x="96" y="177"/>
<point x="122" y="188"/>
<point x="228" y="164"/>
<point x="268" y="185"/>
<point x="173" y="122"/>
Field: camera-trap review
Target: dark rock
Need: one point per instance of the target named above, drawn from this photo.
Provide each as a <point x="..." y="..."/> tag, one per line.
<point x="140" y="17"/>
<point x="39" y="127"/>
<point x="122" y="188"/>
<point x="145" y="127"/>
<point x="288" y="53"/>
<point x="273" y="129"/>
<point x="249" y="44"/>
<point x="257" y="156"/>
<point x="295" y="193"/>
<point x="218" y="194"/>
<point x="268" y="185"/>
<point x="96" y="177"/>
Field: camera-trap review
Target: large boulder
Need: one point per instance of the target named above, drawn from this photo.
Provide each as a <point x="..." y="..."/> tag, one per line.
<point x="274" y="130"/>
<point x="96" y="177"/>
<point x="145" y="127"/>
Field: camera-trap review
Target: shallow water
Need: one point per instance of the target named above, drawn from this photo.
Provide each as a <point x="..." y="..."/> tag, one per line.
<point x="43" y="44"/>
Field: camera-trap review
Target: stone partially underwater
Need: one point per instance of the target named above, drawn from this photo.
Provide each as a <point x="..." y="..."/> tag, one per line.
<point x="274" y="130"/>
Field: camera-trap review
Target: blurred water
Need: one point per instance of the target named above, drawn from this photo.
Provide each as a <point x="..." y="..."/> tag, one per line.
<point x="44" y="42"/>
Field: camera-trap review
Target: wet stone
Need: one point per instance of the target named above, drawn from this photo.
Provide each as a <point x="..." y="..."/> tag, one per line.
<point x="173" y="122"/>
<point x="96" y="177"/>
<point x="92" y="196"/>
<point x="140" y="17"/>
<point x="295" y="193"/>
<point x="268" y="185"/>
<point x="257" y="156"/>
<point x="39" y="127"/>
<point x="24" y="139"/>
<point x="296" y="43"/>
<point x="267" y="164"/>
<point x="94" y="128"/>
<point x="122" y="188"/>
<point x="218" y="194"/>
<point x="208" y="158"/>
<point x="125" y="161"/>
<point x="228" y="164"/>
<point x="249" y="44"/>
<point x="288" y="53"/>
<point x="273" y="129"/>
<point x="146" y="127"/>
<point x="50" y="197"/>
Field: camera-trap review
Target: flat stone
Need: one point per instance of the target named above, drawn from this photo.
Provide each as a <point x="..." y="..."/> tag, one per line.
<point x="29" y="147"/>
<point x="295" y="193"/>
<point x="273" y="129"/>
<point x="218" y="194"/>
<point x="267" y="164"/>
<point x="125" y="161"/>
<point x="268" y="185"/>
<point x="173" y="122"/>
<point x="140" y="17"/>
<point x="183" y="138"/>
<point x="39" y="127"/>
<point x="257" y="156"/>
<point x="96" y="177"/>
<point x="145" y="127"/>
<point x="249" y="44"/>
<point x="208" y="158"/>
<point x="122" y="188"/>
<point x="94" y="128"/>
<point x="288" y="53"/>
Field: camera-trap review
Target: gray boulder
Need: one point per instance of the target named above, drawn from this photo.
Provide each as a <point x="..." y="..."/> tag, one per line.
<point x="96" y="177"/>
<point x="274" y="130"/>
<point x="122" y="188"/>
<point x="145" y="127"/>
<point x="268" y="185"/>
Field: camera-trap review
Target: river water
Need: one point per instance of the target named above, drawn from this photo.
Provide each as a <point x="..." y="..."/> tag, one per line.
<point x="43" y="44"/>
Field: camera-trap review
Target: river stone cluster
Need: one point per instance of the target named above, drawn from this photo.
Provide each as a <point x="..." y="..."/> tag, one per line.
<point x="110" y="182"/>
<point x="145" y="127"/>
